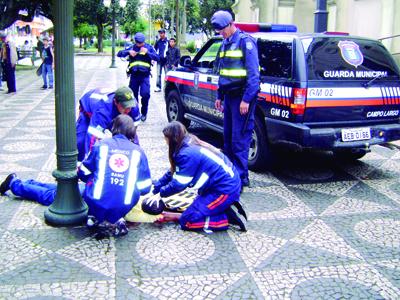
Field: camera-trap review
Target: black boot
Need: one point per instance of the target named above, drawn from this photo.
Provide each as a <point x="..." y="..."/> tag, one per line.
<point x="5" y="185"/>
<point x="235" y="218"/>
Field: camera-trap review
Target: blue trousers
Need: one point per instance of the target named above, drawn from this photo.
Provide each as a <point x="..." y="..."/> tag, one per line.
<point x="207" y="212"/>
<point x="160" y="69"/>
<point x="10" y="77"/>
<point x="237" y="139"/>
<point x="141" y="84"/>
<point x="47" y="70"/>
<point x="43" y="193"/>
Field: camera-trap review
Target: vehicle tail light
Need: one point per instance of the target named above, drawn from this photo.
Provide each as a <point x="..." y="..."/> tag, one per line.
<point x="299" y="101"/>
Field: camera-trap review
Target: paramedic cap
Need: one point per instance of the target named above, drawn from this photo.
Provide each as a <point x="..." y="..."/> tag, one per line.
<point x="124" y="96"/>
<point x="221" y="19"/>
<point x="139" y="37"/>
<point x="153" y="205"/>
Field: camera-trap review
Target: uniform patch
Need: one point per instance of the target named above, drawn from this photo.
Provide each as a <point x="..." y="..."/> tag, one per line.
<point x="351" y="53"/>
<point x="249" y="45"/>
<point x="119" y="163"/>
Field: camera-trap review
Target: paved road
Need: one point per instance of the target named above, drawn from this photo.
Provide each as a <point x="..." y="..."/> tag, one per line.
<point x="318" y="229"/>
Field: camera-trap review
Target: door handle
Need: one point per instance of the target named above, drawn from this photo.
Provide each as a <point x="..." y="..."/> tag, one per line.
<point x="208" y="78"/>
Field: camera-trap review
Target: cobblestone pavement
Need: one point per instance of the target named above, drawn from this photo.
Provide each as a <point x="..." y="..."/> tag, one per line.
<point x="318" y="229"/>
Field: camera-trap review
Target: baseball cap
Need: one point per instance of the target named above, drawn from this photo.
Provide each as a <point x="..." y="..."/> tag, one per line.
<point x="124" y="96"/>
<point x="3" y="34"/>
<point x="45" y="38"/>
<point x="221" y="19"/>
<point x="162" y="30"/>
<point x="139" y="37"/>
<point x="153" y="205"/>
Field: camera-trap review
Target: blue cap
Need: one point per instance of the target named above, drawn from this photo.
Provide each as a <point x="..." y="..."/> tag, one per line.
<point x="221" y="19"/>
<point x="139" y="37"/>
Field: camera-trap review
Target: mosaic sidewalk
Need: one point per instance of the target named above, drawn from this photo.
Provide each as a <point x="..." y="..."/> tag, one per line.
<point x="318" y="229"/>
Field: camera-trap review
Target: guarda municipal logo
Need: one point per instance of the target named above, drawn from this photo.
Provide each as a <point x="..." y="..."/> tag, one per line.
<point x="351" y="53"/>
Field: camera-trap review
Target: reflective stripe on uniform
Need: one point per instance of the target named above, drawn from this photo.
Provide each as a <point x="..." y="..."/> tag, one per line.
<point x="139" y="63"/>
<point x="182" y="179"/>
<point x="218" y="160"/>
<point x="96" y="132"/>
<point x="202" y="180"/>
<point x="233" y="72"/>
<point x="99" y="96"/>
<point x="132" y="176"/>
<point x="85" y="170"/>
<point x="144" y="184"/>
<point x="232" y="53"/>
<point x="98" y="188"/>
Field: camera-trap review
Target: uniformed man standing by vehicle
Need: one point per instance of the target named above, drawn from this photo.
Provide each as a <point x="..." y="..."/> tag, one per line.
<point x="140" y="56"/>
<point x="238" y="85"/>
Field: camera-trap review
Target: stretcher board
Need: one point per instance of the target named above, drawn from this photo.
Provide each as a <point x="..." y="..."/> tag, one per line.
<point x="175" y="203"/>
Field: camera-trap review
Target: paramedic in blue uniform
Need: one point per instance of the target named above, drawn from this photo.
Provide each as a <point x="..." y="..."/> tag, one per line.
<point x="199" y="165"/>
<point x="238" y="86"/>
<point x="140" y="56"/>
<point x="98" y="108"/>
<point x="161" y="47"/>
<point x="116" y="173"/>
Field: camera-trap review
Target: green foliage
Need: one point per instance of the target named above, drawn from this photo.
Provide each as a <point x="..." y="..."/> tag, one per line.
<point x="208" y="8"/>
<point x="140" y="25"/>
<point x="84" y="30"/>
<point x="191" y="47"/>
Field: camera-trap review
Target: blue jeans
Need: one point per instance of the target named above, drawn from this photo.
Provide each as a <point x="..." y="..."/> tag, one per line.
<point x="47" y="70"/>
<point x="43" y="193"/>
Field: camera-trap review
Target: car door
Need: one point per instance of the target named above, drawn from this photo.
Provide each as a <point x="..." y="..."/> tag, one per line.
<point x="201" y="98"/>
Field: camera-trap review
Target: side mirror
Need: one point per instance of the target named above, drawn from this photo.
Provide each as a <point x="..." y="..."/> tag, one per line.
<point x="185" y="61"/>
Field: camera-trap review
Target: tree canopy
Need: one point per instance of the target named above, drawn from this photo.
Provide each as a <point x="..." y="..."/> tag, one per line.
<point x="24" y="10"/>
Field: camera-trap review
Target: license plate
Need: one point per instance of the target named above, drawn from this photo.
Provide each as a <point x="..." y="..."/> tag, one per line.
<point x="356" y="134"/>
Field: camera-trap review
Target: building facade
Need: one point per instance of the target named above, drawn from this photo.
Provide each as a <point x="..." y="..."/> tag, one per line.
<point x="378" y="19"/>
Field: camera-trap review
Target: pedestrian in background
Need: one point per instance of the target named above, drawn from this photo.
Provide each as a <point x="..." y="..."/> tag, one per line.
<point x="161" y="48"/>
<point x="48" y="64"/>
<point x="238" y="86"/>
<point x="173" y="55"/>
<point x="140" y="56"/>
<point x="8" y="57"/>
<point x="39" y="46"/>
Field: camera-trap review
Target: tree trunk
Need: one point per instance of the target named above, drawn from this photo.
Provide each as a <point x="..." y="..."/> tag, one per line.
<point x="184" y="25"/>
<point x="172" y="31"/>
<point x="99" y="37"/>
<point x="178" y="38"/>
<point x="80" y="42"/>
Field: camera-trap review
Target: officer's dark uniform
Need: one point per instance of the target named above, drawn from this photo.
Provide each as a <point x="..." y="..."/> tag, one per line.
<point x="97" y="110"/>
<point x="214" y="176"/>
<point x="239" y="80"/>
<point x="139" y="69"/>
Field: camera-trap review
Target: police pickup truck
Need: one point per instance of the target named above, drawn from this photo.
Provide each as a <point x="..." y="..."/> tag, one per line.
<point x="327" y="91"/>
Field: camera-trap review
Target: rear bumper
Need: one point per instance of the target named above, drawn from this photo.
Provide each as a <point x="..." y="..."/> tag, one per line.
<point x="298" y="135"/>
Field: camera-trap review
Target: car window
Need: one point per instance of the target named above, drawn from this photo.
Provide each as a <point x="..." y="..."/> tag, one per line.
<point x="346" y="58"/>
<point x="275" y="58"/>
<point x="206" y="60"/>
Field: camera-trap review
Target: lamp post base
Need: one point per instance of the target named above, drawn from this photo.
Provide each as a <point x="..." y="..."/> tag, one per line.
<point x="68" y="207"/>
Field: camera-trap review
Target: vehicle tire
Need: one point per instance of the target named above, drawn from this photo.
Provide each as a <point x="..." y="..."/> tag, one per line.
<point x="349" y="154"/>
<point x="261" y="155"/>
<point x="175" y="110"/>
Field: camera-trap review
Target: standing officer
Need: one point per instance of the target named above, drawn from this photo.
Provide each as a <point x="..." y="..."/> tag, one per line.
<point x="97" y="109"/>
<point x="161" y="48"/>
<point x="238" y="85"/>
<point x="140" y="56"/>
<point x="8" y="56"/>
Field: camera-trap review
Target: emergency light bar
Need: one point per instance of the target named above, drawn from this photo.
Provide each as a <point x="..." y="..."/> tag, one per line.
<point x="265" y="27"/>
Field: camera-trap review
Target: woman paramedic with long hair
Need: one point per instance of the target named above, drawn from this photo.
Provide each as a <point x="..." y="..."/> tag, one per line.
<point x="197" y="164"/>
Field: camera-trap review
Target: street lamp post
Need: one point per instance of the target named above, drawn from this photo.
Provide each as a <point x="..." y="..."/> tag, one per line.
<point x="321" y="17"/>
<point x="68" y="207"/>
<point x="108" y="4"/>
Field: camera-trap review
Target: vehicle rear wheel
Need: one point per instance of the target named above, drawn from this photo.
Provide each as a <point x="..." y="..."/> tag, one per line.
<point x="350" y="154"/>
<point x="260" y="153"/>
<point x="175" y="110"/>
